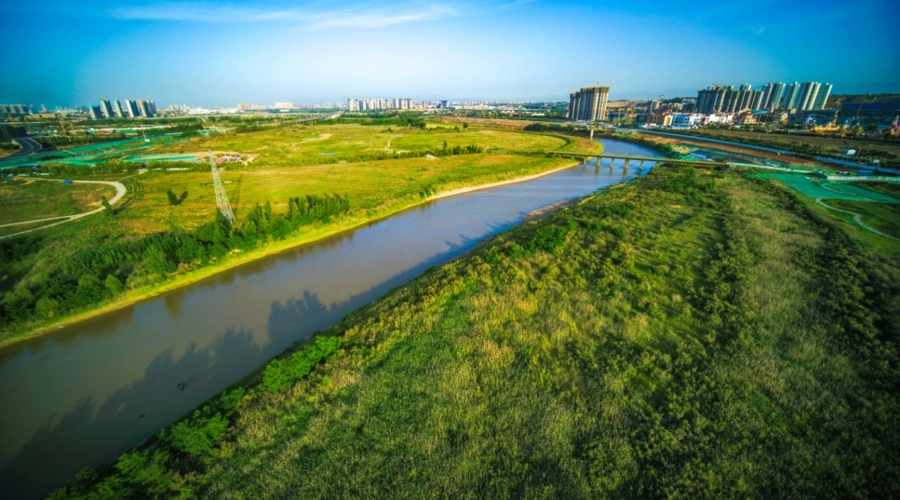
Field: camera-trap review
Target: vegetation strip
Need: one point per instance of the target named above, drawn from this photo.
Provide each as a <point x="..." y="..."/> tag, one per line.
<point x="571" y="357"/>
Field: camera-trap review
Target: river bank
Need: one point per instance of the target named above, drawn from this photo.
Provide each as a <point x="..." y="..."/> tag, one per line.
<point x="236" y="259"/>
<point x="628" y="345"/>
<point x="83" y="393"/>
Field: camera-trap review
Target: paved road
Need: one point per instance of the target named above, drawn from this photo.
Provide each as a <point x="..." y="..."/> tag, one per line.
<point x="28" y="146"/>
<point x="120" y="192"/>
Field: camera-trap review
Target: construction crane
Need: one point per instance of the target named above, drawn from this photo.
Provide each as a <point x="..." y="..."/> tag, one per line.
<point x="221" y="197"/>
<point x="63" y="123"/>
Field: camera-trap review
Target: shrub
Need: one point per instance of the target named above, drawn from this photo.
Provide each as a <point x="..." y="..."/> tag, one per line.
<point x="281" y="374"/>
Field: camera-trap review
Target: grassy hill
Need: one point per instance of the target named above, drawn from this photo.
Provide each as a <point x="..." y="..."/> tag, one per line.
<point x="689" y="334"/>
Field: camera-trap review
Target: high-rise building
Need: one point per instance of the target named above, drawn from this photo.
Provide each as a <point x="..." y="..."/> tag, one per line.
<point x="588" y="104"/>
<point x="96" y="113"/>
<point x="730" y="100"/>
<point x="808" y="93"/>
<point x="791" y="96"/>
<point x="772" y="93"/>
<point x="822" y="98"/>
<point x="149" y="108"/>
<point x="117" y="108"/>
<point x="106" y="108"/>
<point x="284" y="105"/>
<point x="710" y="99"/>
<point x="131" y="110"/>
<point x="756" y="98"/>
<point x="744" y="98"/>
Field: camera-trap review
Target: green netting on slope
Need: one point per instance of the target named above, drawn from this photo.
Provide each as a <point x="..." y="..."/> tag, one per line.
<point x="163" y="157"/>
<point x="813" y="189"/>
<point x="853" y="190"/>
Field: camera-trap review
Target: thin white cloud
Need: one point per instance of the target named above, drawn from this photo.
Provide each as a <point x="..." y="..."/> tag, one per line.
<point x="349" y="18"/>
<point x="377" y="19"/>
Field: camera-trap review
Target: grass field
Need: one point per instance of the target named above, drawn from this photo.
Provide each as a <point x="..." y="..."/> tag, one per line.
<point x="301" y="144"/>
<point x="376" y="189"/>
<point x="372" y="186"/>
<point x="24" y="200"/>
<point x="681" y="336"/>
<point x="882" y="216"/>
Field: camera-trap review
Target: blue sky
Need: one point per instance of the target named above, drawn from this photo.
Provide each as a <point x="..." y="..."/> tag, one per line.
<point x="221" y="53"/>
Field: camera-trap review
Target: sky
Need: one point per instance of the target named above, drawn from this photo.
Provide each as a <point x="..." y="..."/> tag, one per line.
<point x="216" y="54"/>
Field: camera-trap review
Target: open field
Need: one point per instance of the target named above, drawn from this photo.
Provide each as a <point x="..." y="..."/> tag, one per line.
<point x="685" y="335"/>
<point x="23" y="200"/>
<point x="146" y="219"/>
<point x="305" y="144"/>
<point x="372" y="186"/>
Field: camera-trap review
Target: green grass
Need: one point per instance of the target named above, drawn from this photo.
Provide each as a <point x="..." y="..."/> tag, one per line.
<point x="681" y="336"/>
<point x="882" y="216"/>
<point x="815" y="188"/>
<point x="23" y="200"/>
<point x="376" y="189"/>
<point x="373" y="186"/>
<point x="297" y="145"/>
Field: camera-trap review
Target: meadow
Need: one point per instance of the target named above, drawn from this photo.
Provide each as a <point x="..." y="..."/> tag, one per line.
<point x="164" y="209"/>
<point x="692" y="334"/>
<point x="291" y="145"/>
<point x="33" y="199"/>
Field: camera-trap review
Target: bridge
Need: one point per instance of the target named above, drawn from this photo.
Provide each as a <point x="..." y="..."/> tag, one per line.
<point x="626" y="158"/>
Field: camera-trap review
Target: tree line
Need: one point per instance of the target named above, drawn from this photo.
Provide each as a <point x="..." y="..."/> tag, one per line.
<point x="102" y="272"/>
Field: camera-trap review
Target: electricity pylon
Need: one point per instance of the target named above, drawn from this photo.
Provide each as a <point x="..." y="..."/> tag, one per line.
<point x="221" y="197"/>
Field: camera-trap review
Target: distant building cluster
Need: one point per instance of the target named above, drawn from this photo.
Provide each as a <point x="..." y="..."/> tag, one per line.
<point x="377" y="103"/>
<point x="807" y="96"/>
<point x="14" y="109"/>
<point x="178" y="108"/>
<point x="588" y="104"/>
<point x="130" y="108"/>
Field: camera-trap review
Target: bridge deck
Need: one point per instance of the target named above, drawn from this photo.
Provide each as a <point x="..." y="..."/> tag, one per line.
<point x="626" y="157"/>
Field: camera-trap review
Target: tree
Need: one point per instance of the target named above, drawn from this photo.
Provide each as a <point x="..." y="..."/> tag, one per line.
<point x="158" y="261"/>
<point x="173" y="199"/>
<point x="465" y="126"/>
<point x="107" y="207"/>
<point x="113" y="285"/>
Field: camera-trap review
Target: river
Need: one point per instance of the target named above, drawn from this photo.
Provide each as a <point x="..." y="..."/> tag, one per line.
<point x="77" y="397"/>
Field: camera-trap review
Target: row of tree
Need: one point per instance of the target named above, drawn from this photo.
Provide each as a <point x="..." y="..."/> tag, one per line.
<point x="103" y="271"/>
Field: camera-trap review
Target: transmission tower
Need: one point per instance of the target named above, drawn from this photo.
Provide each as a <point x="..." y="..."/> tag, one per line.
<point x="221" y="197"/>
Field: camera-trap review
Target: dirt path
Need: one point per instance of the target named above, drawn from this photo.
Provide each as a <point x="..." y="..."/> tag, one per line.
<point x="858" y="219"/>
<point x="120" y="192"/>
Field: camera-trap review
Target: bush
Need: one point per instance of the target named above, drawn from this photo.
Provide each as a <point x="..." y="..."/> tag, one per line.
<point x="281" y="374"/>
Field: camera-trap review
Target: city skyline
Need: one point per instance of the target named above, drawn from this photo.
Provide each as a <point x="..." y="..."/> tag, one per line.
<point x="216" y="55"/>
